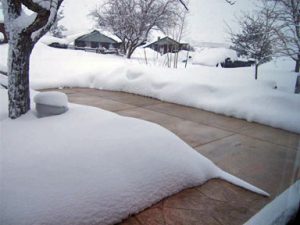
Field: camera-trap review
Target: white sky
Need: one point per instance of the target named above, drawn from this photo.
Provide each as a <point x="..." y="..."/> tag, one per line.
<point x="206" y="20"/>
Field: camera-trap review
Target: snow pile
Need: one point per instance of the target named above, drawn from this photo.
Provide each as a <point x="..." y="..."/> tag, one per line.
<point x="47" y="40"/>
<point x="232" y="92"/>
<point x="212" y="56"/>
<point x="281" y="210"/>
<point x="90" y="166"/>
<point x="53" y="98"/>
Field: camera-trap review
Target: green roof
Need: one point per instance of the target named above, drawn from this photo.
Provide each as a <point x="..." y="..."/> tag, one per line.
<point x="164" y="41"/>
<point x="96" y="36"/>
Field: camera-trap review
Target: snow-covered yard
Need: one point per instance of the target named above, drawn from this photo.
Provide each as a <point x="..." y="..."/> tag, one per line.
<point x="232" y="92"/>
<point x="61" y="170"/>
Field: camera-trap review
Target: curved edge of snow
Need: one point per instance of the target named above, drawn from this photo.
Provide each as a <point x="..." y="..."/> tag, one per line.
<point x="239" y="182"/>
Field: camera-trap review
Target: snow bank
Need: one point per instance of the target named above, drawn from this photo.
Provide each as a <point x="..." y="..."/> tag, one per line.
<point x="212" y="56"/>
<point x="90" y="166"/>
<point x="232" y="92"/>
<point x="281" y="210"/>
<point x="47" y="40"/>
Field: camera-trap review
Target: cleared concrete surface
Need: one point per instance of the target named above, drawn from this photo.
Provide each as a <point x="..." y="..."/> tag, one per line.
<point x="261" y="155"/>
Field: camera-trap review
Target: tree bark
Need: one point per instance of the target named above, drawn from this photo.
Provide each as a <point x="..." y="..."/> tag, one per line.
<point x="256" y="71"/>
<point x="18" y="76"/>
<point x="129" y="51"/>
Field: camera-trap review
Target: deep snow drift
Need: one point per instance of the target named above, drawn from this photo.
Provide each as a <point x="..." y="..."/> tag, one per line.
<point x="90" y="166"/>
<point x="232" y="92"/>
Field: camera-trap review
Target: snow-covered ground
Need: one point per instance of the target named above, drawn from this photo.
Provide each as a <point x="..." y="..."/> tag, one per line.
<point x="61" y="170"/>
<point x="232" y="92"/>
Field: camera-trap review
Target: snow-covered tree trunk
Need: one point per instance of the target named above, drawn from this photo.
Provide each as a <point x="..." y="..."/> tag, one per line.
<point x="24" y="30"/>
<point x="18" y="79"/>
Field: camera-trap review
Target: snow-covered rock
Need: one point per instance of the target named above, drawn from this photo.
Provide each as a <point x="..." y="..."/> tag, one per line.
<point x="90" y="166"/>
<point x="51" y="103"/>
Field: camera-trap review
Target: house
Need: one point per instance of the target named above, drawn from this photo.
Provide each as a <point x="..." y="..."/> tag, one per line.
<point x="4" y="39"/>
<point x="167" y="45"/>
<point x="98" y="42"/>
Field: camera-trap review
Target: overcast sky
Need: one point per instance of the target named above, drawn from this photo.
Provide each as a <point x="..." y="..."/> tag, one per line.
<point x="206" y="19"/>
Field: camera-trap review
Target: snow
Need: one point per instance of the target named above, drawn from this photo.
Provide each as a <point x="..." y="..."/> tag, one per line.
<point x="110" y="35"/>
<point x="232" y="92"/>
<point x="212" y="56"/>
<point x="47" y="40"/>
<point x="44" y="3"/>
<point x="1" y="37"/>
<point x="90" y="166"/>
<point x="53" y="98"/>
<point x="280" y="210"/>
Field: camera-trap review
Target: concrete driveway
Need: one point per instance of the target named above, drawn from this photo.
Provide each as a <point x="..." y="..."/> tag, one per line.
<point x="259" y="154"/>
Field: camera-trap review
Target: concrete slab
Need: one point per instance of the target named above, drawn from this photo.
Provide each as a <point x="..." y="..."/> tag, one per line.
<point x="122" y="97"/>
<point x="201" y="116"/>
<point x="215" y="202"/>
<point x="193" y="133"/>
<point x="100" y="102"/>
<point x="261" y="155"/>
<point x="273" y="135"/>
<point x="266" y="165"/>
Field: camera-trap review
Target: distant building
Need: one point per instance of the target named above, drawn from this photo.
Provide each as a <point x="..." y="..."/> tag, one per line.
<point x="2" y="28"/>
<point x="167" y="45"/>
<point x="97" y="41"/>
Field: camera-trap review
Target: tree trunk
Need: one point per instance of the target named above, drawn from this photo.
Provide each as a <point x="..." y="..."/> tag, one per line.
<point x="18" y="75"/>
<point x="256" y="71"/>
<point x="130" y="50"/>
<point x="297" y="67"/>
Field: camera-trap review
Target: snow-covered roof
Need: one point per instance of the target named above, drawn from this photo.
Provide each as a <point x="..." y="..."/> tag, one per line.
<point x="163" y="41"/>
<point x="98" y="36"/>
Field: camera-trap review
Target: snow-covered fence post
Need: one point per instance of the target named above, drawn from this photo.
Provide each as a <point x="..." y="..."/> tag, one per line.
<point x="24" y="31"/>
